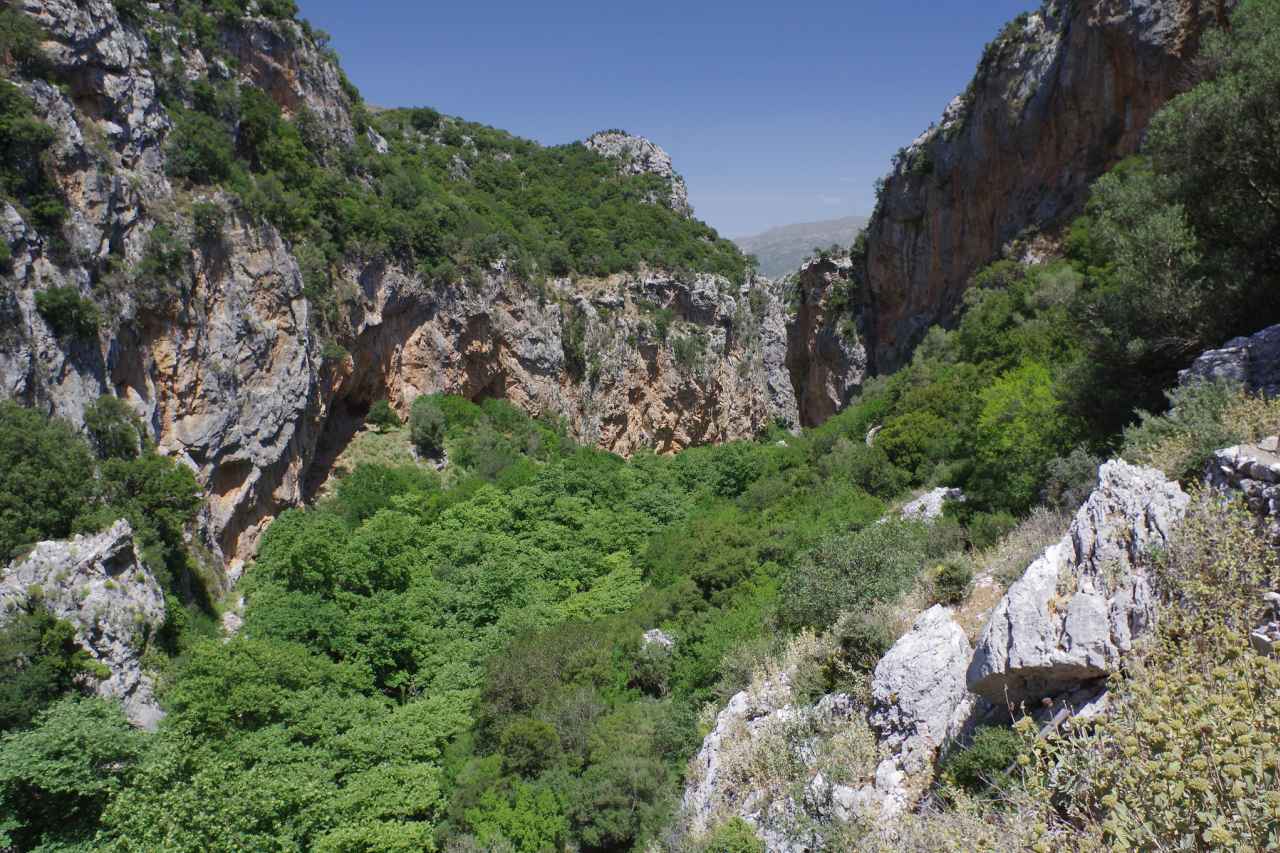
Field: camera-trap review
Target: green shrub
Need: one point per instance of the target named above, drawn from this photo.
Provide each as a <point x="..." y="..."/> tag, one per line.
<point x="852" y="571"/>
<point x="382" y="417"/>
<point x="985" y="762"/>
<point x="40" y="661"/>
<point x="1070" y="479"/>
<point x="45" y="477"/>
<point x="951" y="580"/>
<point x="68" y="313"/>
<point x="988" y="528"/>
<point x="427" y="425"/>
<point x="1181" y="441"/>
<point x="113" y="428"/>
<point x="528" y="747"/>
<point x="733" y="836"/>
<point x="864" y="637"/>
<point x="207" y="221"/>
<point x="199" y="148"/>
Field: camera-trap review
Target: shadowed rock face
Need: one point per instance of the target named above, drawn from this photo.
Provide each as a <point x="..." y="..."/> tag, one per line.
<point x="1057" y="100"/>
<point x="97" y="584"/>
<point x="231" y="373"/>
<point x="825" y="357"/>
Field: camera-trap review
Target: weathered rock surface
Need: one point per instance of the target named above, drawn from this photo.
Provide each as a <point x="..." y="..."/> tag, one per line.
<point x="1061" y="96"/>
<point x="1253" y="471"/>
<point x="97" y="584"/>
<point x="234" y="373"/>
<point x="716" y="791"/>
<point x="920" y="702"/>
<point x="638" y="156"/>
<point x="825" y="357"/>
<point x="1265" y="638"/>
<point x="930" y="506"/>
<point x="1081" y="605"/>
<point x="1252" y="362"/>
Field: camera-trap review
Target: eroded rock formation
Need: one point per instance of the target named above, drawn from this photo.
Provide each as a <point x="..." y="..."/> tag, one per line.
<point x="98" y="585"/>
<point x="233" y="370"/>
<point x="1083" y="603"/>
<point x="639" y="156"/>
<point x="825" y="355"/>
<point x="1059" y="97"/>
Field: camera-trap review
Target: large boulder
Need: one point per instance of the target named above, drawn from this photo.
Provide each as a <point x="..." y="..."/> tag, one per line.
<point x="1084" y="601"/>
<point x="98" y="585"/>
<point x="919" y="703"/>
<point x="1252" y="361"/>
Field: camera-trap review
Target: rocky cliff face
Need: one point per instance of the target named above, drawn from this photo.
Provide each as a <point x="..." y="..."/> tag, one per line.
<point x="230" y="369"/>
<point x="98" y="585"/>
<point x="825" y="356"/>
<point x="1060" y="96"/>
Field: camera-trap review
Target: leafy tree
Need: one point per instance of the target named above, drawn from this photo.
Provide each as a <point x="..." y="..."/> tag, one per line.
<point x="43" y="482"/>
<point x="67" y="312"/>
<point x="58" y="776"/>
<point x="40" y="661"/>
<point x="113" y="429"/>
<point x="382" y="416"/>
<point x="427" y="425"/>
<point x="1019" y="431"/>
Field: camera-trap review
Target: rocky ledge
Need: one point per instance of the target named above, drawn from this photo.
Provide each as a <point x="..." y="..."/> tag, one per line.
<point x="98" y="585"/>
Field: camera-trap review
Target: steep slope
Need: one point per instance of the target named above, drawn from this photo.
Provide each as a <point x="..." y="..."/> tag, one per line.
<point x="1059" y="97"/>
<point x="251" y="340"/>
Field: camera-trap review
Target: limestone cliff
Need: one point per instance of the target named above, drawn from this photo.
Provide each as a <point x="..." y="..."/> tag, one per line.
<point x="825" y="355"/>
<point x="232" y="368"/>
<point x="1059" y="97"/>
<point x="98" y="585"/>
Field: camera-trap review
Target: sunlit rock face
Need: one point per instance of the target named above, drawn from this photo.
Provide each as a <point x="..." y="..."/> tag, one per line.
<point x="1060" y="96"/>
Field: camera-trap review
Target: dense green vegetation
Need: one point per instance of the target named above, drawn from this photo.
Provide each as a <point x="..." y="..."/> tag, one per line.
<point x="457" y="660"/>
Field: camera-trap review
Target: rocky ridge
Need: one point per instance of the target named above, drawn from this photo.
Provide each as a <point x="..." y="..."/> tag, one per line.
<point x="233" y="374"/>
<point x="639" y="156"/>
<point x="1060" y="96"/>
<point x="98" y="585"/>
<point x="1048" y="646"/>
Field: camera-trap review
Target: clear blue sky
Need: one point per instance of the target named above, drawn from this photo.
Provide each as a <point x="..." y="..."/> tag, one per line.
<point x="775" y="113"/>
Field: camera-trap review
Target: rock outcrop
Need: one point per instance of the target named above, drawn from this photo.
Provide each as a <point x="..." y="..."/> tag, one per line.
<point x="98" y="585"/>
<point x="639" y="156"/>
<point x="1253" y="471"/>
<point x="1059" y="97"/>
<point x="825" y="356"/>
<point x="1081" y="605"/>
<point x="931" y="505"/>
<point x="234" y="370"/>
<point x="920" y="702"/>
<point x="766" y="719"/>
<point x="1252" y="362"/>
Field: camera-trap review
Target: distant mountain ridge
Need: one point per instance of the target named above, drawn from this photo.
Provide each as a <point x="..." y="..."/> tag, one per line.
<point x="783" y="249"/>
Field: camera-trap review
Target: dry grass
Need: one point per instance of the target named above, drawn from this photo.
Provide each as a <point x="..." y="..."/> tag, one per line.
<point x="1009" y="558"/>
<point x="391" y="449"/>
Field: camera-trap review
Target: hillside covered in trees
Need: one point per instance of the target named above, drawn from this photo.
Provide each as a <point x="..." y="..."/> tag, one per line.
<point x="482" y="634"/>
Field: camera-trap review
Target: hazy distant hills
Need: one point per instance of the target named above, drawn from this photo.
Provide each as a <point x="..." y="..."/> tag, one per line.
<point x="781" y="250"/>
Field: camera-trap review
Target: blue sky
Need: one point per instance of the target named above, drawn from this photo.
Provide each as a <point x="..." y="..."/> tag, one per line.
<point x="775" y="113"/>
